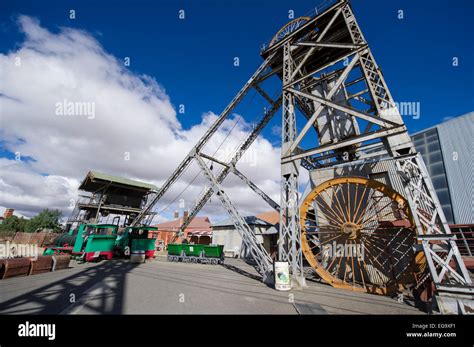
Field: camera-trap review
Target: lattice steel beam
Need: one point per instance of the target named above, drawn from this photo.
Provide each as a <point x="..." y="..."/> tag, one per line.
<point x="289" y="243"/>
<point x="453" y="283"/>
<point x="264" y="263"/>
<point x="202" y="141"/>
<point x="244" y="146"/>
<point x="256" y="189"/>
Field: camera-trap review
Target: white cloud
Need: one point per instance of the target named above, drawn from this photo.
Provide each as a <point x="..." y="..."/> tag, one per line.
<point x="29" y="192"/>
<point x="133" y="114"/>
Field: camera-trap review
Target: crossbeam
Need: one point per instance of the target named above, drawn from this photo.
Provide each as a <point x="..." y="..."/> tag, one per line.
<point x="244" y="146"/>
<point x="316" y="113"/>
<point x="257" y="251"/>
<point x="256" y="189"/>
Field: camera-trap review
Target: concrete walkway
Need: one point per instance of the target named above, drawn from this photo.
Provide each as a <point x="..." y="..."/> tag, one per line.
<point x="161" y="287"/>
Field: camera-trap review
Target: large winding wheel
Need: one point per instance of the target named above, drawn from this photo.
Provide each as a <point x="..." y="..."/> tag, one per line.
<point x="358" y="234"/>
<point x="288" y="28"/>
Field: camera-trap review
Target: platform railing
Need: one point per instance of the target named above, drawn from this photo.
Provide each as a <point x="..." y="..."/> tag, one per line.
<point x="464" y="238"/>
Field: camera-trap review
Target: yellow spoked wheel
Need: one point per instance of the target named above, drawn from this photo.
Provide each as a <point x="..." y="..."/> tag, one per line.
<point x="288" y="29"/>
<point x="358" y="234"/>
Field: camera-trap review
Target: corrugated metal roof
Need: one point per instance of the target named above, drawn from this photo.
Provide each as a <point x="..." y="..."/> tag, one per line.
<point x="272" y="217"/>
<point x="372" y="170"/>
<point x="95" y="175"/>
<point x="200" y="233"/>
<point x="251" y="220"/>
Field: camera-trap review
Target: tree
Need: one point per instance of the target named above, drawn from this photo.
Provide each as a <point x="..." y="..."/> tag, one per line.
<point x="13" y="223"/>
<point x="46" y="219"/>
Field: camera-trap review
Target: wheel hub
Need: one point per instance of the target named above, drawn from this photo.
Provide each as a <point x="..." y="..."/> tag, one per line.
<point x="350" y="229"/>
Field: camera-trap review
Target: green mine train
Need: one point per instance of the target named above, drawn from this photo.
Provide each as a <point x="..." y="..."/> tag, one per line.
<point x="98" y="241"/>
<point x="137" y="239"/>
<point x="205" y="254"/>
<point x="88" y="241"/>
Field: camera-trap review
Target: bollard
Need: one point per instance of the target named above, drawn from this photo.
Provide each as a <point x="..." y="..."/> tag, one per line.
<point x="137" y="257"/>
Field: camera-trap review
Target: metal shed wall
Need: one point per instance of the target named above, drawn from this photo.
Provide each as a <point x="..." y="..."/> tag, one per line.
<point x="457" y="145"/>
<point x="373" y="170"/>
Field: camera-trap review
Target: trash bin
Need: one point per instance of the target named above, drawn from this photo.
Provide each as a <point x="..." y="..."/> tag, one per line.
<point x="282" y="275"/>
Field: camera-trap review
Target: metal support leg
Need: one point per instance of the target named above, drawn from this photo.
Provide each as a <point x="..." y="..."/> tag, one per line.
<point x="289" y="243"/>
<point x="264" y="264"/>
<point x="455" y="293"/>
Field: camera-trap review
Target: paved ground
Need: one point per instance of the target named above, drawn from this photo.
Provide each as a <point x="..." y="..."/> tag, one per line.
<point x="114" y="287"/>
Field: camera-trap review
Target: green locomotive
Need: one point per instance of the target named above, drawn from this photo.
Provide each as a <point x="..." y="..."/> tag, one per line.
<point x="137" y="239"/>
<point x="88" y="241"/>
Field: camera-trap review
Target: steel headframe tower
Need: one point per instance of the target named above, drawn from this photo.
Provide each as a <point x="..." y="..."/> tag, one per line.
<point x="330" y="77"/>
<point x="329" y="73"/>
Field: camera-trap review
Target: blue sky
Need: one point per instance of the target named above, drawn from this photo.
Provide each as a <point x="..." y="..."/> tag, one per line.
<point x="193" y="58"/>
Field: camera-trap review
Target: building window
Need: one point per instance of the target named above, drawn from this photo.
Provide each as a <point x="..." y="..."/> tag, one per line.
<point x="427" y="144"/>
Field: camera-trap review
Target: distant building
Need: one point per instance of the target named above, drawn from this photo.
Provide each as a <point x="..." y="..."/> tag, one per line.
<point x="224" y="233"/>
<point x="198" y="231"/>
<point x="8" y="212"/>
<point x="448" y="152"/>
<point x="272" y="217"/>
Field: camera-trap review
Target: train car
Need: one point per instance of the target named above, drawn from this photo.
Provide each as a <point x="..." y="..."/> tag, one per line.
<point x="88" y="241"/>
<point x="136" y="239"/>
<point x="195" y="253"/>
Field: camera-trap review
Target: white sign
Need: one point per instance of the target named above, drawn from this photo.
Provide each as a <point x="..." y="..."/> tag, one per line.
<point x="282" y="276"/>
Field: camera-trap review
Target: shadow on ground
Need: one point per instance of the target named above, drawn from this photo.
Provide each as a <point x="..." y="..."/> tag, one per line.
<point x="56" y="296"/>
<point x="242" y="272"/>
